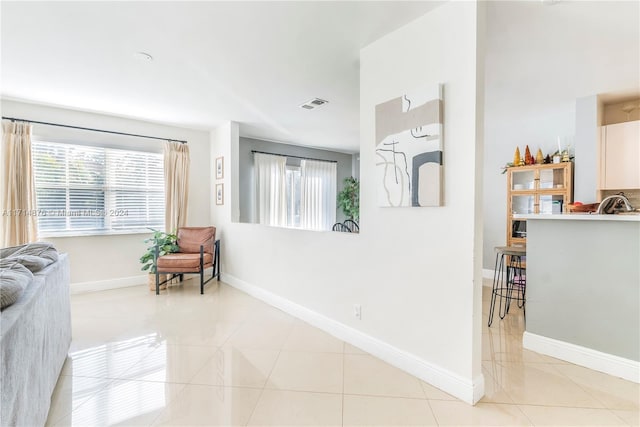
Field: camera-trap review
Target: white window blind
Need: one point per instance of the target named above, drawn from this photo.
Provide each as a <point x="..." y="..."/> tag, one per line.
<point x="96" y="190"/>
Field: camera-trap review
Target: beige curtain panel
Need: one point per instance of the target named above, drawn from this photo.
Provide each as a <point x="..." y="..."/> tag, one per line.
<point x="18" y="188"/>
<point x="176" y="184"/>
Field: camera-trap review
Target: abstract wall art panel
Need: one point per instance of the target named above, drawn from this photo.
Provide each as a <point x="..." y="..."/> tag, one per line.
<point x="409" y="149"/>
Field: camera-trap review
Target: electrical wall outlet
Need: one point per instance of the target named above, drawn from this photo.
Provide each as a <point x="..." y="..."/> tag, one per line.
<point x="357" y="311"/>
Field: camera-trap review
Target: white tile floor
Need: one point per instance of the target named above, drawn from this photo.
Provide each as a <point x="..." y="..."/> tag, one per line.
<point x="225" y="358"/>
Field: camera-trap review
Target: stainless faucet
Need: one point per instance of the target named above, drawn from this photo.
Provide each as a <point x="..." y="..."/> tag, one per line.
<point x="605" y="205"/>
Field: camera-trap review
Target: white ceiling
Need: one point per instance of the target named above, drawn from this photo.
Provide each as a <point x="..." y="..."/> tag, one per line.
<point x="250" y="62"/>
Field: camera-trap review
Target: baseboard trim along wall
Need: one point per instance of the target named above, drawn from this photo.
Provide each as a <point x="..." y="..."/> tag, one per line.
<point x="583" y="356"/>
<point x="469" y="392"/>
<point x="487" y="273"/>
<point x="104" y="285"/>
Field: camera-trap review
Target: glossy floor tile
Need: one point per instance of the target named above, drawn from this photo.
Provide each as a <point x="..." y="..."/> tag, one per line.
<point x="613" y="392"/>
<point x="553" y="416"/>
<point x="171" y="363"/>
<point x="204" y="405"/>
<point x="125" y="403"/>
<point x="305" y="337"/>
<point x="367" y="375"/>
<point x="386" y="411"/>
<point x="530" y="384"/>
<point x="456" y="413"/>
<point x="71" y="392"/>
<point x="297" y="408"/>
<point x="434" y="393"/>
<point x="238" y="367"/>
<point x="307" y="371"/>
<point x="225" y="358"/>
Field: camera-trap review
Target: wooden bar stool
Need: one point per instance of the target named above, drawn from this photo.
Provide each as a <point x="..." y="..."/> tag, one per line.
<point x="509" y="276"/>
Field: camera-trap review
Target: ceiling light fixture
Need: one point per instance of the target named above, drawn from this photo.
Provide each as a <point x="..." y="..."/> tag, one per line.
<point x="314" y="103"/>
<point x="143" y="56"/>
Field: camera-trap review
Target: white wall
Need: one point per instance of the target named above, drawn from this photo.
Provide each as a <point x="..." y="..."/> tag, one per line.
<point x="587" y="136"/>
<point x="539" y="60"/>
<point x="412" y="269"/>
<point x="225" y="142"/>
<point x="104" y="261"/>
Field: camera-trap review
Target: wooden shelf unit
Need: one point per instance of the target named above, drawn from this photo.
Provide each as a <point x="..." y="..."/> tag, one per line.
<point x="544" y="188"/>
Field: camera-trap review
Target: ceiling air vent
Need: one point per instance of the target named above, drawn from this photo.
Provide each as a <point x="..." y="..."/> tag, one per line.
<point x="314" y="103"/>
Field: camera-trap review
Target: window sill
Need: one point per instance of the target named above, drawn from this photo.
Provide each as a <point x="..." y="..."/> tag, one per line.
<point x="77" y="233"/>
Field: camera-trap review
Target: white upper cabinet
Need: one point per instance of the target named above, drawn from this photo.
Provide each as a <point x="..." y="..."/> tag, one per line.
<point x="620" y="156"/>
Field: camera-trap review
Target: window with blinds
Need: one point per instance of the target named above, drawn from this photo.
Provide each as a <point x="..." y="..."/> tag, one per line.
<point x="96" y="190"/>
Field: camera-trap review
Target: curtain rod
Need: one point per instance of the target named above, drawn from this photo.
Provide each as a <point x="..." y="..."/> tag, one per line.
<point x="13" y="119"/>
<point x="295" y="157"/>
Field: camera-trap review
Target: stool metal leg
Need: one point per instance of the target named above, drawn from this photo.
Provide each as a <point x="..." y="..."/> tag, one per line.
<point x="519" y="281"/>
<point x="493" y="290"/>
<point x="504" y="292"/>
<point x="507" y="278"/>
<point x="504" y="287"/>
<point x="509" y="290"/>
<point x="522" y="289"/>
<point x="498" y="289"/>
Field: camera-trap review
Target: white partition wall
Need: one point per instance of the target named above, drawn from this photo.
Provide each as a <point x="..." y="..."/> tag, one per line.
<point x="414" y="271"/>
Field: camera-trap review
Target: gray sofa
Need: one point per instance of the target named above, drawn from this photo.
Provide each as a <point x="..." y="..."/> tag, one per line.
<point x="35" y="340"/>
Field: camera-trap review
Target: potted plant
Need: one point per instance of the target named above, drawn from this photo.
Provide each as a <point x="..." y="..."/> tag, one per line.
<point x="349" y="199"/>
<point x="166" y="243"/>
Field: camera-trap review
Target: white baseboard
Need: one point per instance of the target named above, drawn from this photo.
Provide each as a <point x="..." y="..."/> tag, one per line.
<point x="463" y="389"/>
<point x="487" y="273"/>
<point x="103" y="285"/>
<point x="583" y="356"/>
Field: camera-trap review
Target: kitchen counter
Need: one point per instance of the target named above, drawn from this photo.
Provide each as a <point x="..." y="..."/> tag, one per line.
<point x="634" y="217"/>
<point x="583" y="290"/>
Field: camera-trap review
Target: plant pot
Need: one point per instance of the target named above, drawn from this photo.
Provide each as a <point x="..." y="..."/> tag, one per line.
<point x="152" y="281"/>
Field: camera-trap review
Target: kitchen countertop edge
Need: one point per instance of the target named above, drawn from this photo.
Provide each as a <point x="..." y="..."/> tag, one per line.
<point x="581" y="217"/>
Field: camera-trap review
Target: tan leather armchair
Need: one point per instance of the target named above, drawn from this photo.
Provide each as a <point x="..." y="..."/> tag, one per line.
<point x="199" y="250"/>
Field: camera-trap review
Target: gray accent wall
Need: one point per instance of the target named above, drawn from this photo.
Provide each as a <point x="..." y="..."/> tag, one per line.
<point x="345" y="164"/>
<point x="583" y="283"/>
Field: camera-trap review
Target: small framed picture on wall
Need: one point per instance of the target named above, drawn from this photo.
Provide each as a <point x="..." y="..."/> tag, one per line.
<point x="220" y="167"/>
<point x="219" y="194"/>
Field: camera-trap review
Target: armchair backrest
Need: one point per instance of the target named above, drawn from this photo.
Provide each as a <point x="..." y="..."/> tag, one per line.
<point x="190" y="239"/>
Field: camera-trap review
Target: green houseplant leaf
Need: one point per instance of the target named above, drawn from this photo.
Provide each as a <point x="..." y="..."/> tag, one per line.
<point x="166" y="242"/>
<point x="349" y="199"/>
